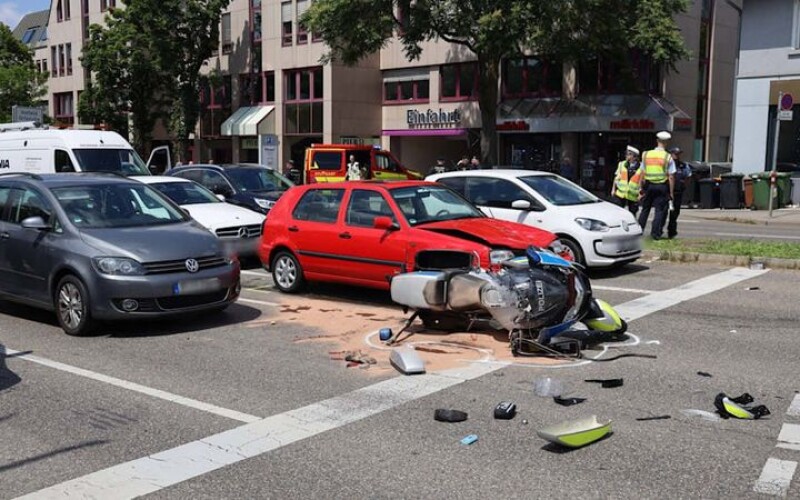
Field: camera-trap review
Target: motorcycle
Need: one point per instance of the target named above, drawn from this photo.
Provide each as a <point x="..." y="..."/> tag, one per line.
<point x="539" y="298"/>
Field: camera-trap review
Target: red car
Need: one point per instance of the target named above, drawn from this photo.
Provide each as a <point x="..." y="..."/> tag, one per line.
<point x="363" y="233"/>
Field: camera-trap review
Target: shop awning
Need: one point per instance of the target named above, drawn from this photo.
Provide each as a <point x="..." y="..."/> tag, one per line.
<point x="594" y="113"/>
<point x="250" y="120"/>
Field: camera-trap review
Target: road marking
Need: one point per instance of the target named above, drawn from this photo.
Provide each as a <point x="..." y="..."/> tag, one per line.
<point x="618" y="289"/>
<point x="794" y="408"/>
<point x="754" y="236"/>
<point x="776" y="477"/>
<point x="167" y="468"/>
<point x="260" y="302"/>
<point x="789" y="437"/>
<point x="260" y="274"/>
<point x="131" y="386"/>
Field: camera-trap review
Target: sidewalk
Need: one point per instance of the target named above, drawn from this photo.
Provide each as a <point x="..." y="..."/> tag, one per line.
<point x="780" y="217"/>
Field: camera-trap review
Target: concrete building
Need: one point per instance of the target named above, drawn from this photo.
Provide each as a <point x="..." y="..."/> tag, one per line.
<point x="769" y="63"/>
<point x="32" y="31"/>
<point x="268" y="97"/>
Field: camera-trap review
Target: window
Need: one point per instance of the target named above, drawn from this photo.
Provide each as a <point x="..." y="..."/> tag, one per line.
<point x="43" y="37"/>
<point x="269" y="86"/>
<point x="386" y="162"/>
<point x="62" y="161"/>
<point x="67" y="11"/>
<point x="319" y="205"/>
<point x="327" y="160"/>
<point x="27" y="37"/>
<point x="227" y="40"/>
<point x="61" y="66"/>
<point x="531" y="77"/>
<point x="636" y="73"/>
<point x="559" y="191"/>
<point x="216" y="183"/>
<point x="29" y="204"/>
<point x="365" y="206"/>
<point x="257" y="26"/>
<point x="459" y="82"/>
<point x="286" y="23"/>
<point x="59" y="11"/>
<point x="63" y="106"/>
<point x="103" y="5"/>
<point x="496" y="193"/>
<point x="4" y="195"/>
<point x="457" y="184"/>
<point x="406" y="91"/>
<point x="251" y="89"/>
<point x="44" y="66"/>
<point x="303" y="108"/>
<point x="53" y="62"/>
<point x="68" y="51"/>
<point x="302" y="34"/>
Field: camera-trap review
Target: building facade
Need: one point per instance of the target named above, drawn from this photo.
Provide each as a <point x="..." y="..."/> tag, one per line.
<point x="769" y="63"/>
<point x="267" y="96"/>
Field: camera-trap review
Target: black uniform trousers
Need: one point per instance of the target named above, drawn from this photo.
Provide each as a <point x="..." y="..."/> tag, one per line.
<point x="672" y="226"/>
<point x="655" y="195"/>
<point x="632" y="206"/>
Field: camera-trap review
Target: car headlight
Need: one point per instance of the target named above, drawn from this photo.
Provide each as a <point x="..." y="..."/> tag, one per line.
<point x="498" y="256"/>
<point x="265" y="204"/>
<point x="118" y="266"/>
<point x="592" y="224"/>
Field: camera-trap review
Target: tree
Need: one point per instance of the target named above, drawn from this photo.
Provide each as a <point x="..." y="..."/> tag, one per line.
<point x="20" y="83"/>
<point x="561" y="30"/>
<point x="146" y="61"/>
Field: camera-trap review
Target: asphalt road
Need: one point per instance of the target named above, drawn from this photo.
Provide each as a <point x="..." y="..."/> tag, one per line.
<point x="239" y="406"/>
<point x="696" y="227"/>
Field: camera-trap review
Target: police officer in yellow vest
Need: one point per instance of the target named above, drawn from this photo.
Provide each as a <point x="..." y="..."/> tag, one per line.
<point x="658" y="170"/>
<point x="625" y="189"/>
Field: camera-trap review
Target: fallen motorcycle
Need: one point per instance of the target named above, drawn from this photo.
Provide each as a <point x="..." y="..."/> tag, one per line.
<point x="539" y="298"/>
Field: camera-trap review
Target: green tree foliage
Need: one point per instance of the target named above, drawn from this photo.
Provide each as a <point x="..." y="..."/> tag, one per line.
<point x="565" y="30"/>
<point x="146" y="61"/>
<point x="20" y="82"/>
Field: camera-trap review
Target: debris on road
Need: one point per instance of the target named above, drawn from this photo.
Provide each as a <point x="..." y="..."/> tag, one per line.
<point x="739" y="407"/>
<point x="576" y="433"/>
<point x="568" y="401"/>
<point x="385" y="334"/>
<point x="353" y="358"/>
<point x="444" y="415"/>
<point x="548" y="387"/>
<point x="607" y="383"/>
<point x="749" y="288"/>
<point x="407" y="361"/>
<point x="469" y="439"/>
<point x="505" y="410"/>
<point x="705" y="374"/>
<point x="659" y="417"/>
<point x="702" y="414"/>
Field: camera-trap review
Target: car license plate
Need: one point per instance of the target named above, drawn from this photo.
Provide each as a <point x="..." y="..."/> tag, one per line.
<point x="193" y="287"/>
<point x="626" y="246"/>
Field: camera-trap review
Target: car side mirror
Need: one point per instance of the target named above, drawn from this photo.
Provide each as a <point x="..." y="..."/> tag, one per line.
<point x="221" y="197"/>
<point x="521" y="204"/>
<point x="36" y="223"/>
<point x="385" y="223"/>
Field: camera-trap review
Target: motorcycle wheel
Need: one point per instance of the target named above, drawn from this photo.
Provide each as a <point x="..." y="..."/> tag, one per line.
<point x="443" y="321"/>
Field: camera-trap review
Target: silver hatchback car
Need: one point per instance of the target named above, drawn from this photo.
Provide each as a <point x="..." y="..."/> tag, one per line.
<point x="101" y="247"/>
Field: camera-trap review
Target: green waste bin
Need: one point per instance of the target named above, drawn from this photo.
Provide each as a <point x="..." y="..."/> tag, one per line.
<point x="761" y="190"/>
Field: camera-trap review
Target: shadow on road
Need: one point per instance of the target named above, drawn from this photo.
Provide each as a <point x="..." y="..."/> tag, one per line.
<point x="7" y="377"/>
<point x="235" y="314"/>
<point x="616" y="272"/>
<point x="44" y="456"/>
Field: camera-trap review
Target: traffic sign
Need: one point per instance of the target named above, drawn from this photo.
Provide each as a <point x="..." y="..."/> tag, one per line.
<point x="786" y="115"/>
<point x="787" y="101"/>
<point x="26" y="114"/>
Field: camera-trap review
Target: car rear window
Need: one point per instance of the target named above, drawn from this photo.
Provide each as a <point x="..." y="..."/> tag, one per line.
<point x="319" y="205"/>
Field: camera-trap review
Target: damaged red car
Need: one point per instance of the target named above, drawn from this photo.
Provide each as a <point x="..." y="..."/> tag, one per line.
<point x="363" y="233"/>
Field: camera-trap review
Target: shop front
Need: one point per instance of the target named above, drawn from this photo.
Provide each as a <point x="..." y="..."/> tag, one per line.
<point x="420" y="135"/>
<point x="252" y="129"/>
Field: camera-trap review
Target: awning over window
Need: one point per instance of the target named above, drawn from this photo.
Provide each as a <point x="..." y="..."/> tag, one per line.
<point x="250" y="120"/>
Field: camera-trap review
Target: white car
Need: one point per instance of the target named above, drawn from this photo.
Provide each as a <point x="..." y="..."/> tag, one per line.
<point x="597" y="233"/>
<point x="237" y="226"/>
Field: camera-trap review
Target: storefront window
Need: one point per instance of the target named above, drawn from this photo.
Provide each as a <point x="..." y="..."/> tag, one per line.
<point x="636" y="73"/>
<point x="459" y="82"/>
<point x="406" y="91"/>
<point x="531" y="77"/>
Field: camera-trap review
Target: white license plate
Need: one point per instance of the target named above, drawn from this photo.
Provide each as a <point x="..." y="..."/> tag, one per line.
<point x="193" y="287"/>
<point x="628" y="246"/>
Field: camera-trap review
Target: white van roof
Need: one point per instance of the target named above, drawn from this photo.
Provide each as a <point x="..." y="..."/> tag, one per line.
<point x="72" y="139"/>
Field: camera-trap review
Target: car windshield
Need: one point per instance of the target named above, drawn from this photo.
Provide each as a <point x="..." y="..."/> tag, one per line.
<point x="115" y="205"/>
<point x="424" y="204"/>
<point x="558" y="190"/>
<point x="123" y="161"/>
<point x="185" y="193"/>
<point x="258" y="180"/>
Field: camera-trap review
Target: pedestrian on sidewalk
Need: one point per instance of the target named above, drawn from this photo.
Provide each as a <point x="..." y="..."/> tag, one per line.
<point x="658" y="168"/>
<point x="682" y="174"/>
<point x="625" y="188"/>
<point x="354" y="172"/>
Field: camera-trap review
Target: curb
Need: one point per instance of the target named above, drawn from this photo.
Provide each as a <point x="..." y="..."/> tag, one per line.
<point x="714" y="258"/>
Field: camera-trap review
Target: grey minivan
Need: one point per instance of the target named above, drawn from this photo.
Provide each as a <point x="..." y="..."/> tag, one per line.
<point x="101" y="247"/>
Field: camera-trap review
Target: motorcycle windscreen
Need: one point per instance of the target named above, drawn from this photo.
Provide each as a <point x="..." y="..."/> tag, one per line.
<point x="542" y="258"/>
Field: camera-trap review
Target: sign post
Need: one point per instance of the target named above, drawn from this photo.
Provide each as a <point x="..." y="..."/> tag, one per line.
<point x="784" y="113"/>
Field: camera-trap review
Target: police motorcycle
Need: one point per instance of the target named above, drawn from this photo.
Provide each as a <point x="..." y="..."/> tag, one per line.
<point x="539" y="298"/>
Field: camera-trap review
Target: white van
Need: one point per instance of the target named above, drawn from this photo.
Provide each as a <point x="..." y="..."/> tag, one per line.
<point x="26" y="147"/>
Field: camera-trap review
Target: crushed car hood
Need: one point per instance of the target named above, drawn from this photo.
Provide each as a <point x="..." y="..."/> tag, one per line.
<point x="492" y="232"/>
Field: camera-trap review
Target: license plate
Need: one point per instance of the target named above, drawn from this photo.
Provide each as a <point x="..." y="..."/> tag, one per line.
<point x="193" y="287"/>
<point x="628" y="246"/>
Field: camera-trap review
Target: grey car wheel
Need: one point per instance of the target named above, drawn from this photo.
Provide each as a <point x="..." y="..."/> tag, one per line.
<point x="72" y="306"/>
<point x="286" y="273"/>
<point x="573" y="249"/>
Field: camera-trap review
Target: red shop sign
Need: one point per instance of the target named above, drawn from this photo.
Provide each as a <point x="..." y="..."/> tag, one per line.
<point x="516" y="126"/>
<point x="628" y="124"/>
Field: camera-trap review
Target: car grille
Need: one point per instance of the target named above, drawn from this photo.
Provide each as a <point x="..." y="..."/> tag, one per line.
<point x="184" y="301"/>
<point x="179" y="266"/>
<point x="252" y="231"/>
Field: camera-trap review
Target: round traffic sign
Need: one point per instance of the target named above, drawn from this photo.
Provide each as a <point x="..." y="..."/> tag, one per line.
<point x="787" y="101"/>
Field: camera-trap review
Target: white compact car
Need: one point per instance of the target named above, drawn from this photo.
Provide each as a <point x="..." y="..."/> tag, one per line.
<point x="239" y="227"/>
<point x="596" y="232"/>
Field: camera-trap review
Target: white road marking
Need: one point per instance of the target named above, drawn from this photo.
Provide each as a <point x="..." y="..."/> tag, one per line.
<point x="618" y="289"/>
<point x="259" y="302"/>
<point x="131" y="386"/>
<point x="167" y="468"/>
<point x="260" y="274"/>
<point x="755" y="236"/>
<point x="790" y="433"/>
<point x="794" y="408"/>
<point x="776" y="477"/>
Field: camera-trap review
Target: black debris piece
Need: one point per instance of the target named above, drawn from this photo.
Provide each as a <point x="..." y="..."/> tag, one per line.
<point x="705" y="374"/>
<point x="607" y="383"/>
<point x="443" y="415"/>
<point x="568" y="401"/>
<point x="744" y="400"/>
<point x="660" y="417"/>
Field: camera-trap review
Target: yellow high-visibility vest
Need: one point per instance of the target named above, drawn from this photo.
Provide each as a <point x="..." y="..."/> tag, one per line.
<point x="627" y="189"/>
<point x="656" y="164"/>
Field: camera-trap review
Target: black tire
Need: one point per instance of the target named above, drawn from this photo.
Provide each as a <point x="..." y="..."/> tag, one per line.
<point x="287" y="273"/>
<point x="71" y="301"/>
<point x="443" y="321"/>
<point x="575" y="248"/>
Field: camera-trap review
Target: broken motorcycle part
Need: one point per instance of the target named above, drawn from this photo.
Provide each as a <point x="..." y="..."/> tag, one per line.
<point x="452" y="416"/>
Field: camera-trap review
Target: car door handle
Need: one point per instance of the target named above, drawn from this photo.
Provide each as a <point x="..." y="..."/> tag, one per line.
<point x="293" y="229"/>
<point x="4" y="236"/>
<point x="345" y="235"/>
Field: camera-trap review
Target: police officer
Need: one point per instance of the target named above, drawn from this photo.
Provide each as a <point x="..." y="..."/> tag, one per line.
<point x="625" y="189"/>
<point x="682" y="174"/>
<point x="658" y="170"/>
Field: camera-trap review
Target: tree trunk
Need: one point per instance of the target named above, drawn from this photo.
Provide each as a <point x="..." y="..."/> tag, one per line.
<point x="488" y="83"/>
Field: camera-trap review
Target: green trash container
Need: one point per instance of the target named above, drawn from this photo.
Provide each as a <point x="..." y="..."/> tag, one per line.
<point x="784" y="189"/>
<point x="761" y="192"/>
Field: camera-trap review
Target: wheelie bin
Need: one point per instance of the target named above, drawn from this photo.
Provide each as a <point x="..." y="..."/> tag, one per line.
<point x="730" y="191"/>
<point x="709" y="193"/>
<point x="748" y="192"/>
<point x="761" y="191"/>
